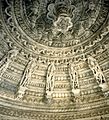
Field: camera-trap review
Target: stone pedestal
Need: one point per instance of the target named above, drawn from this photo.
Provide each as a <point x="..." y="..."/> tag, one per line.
<point x="104" y="87"/>
<point x="21" y="92"/>
<point x="76" y="92"/>
<point x="49" y="96"/>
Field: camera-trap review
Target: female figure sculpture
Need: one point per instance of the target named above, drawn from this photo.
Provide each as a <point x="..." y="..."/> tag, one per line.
<point x="7" y="59"/>
<point x="26" y="77"/>
<point x="94" y="66"/>
<point x="28" y="72"/>
<point x="50" y="80"/>
<point x="74" y="79"/>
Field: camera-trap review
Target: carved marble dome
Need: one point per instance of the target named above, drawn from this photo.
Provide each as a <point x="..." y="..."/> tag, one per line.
<point x="54" y="59"/>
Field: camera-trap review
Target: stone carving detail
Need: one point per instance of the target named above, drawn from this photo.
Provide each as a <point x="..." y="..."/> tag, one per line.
<point x="7" y="60"/>
<point x="26" y="77"/>
<point x="47" y="37"/>
<point x="94" y="66"/>
<point x="54" y="23"/>
<point x="44" y="16"/>
<point x="20" y="93"/>
<point x="63" y="24"/>
<point x="50" y="79"/>
<point x="61" y="12"/>
<point x="74" y="79"/>
<point x="27" y="114"/>
<point x="34" y="12"/>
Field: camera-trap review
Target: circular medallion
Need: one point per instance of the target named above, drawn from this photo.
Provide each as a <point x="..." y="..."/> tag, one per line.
<point x="56" y="23"/>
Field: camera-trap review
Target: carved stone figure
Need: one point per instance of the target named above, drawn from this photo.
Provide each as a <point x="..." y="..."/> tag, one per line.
<point x="50" y="80"/>
<point x="28" y="72"/>
<point x="74" y="79"/>
<point x="6" y="60"/>
<point x="26" y="77"/>
<point x="35" y="11"/>
<point x="91" y="12"/>
<point x="94" y="66"/>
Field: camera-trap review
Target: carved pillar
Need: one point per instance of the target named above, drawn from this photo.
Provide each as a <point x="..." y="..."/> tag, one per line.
<point x="50" y="81"/>
<point x="26" y="77"/>
<point x="98" y="74"/>
<point x="74" y="79"/>
<point x="7" y="60"/>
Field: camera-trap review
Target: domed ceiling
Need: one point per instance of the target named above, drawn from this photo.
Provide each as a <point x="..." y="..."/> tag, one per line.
<point x="54" y="59"/>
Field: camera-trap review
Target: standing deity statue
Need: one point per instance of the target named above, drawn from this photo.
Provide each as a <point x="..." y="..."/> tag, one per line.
<point x="94" y="66"/>
<point x="50" y="80"/>
<point x="28" y="72"/>
<point x="99" y="75"/>
<point x="92" y="63"/>
<point x="74" y="79"/>
<point x="7" y="60"/>
<point x="26" y="77"/>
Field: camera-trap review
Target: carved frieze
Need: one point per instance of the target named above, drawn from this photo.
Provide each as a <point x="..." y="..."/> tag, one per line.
<point x="56" y="33"/>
